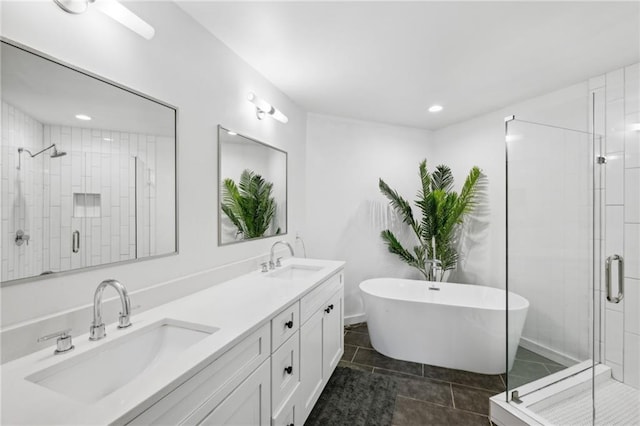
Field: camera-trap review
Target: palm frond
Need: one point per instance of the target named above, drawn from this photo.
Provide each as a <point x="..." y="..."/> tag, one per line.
<point x="398" y="203"/>
<point x="249" y="205"/>
<point x="442" y="179"/>
<point x="442" y="212"/>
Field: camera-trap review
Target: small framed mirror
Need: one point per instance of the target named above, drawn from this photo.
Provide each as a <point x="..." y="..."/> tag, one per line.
<point x="252" y="196"/>
<point x="88" y="169"/>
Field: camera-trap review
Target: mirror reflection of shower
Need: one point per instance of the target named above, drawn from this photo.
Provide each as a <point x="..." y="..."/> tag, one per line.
<point x="54" y="154"/>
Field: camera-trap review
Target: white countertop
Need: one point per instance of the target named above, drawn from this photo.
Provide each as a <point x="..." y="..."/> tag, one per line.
<point x="237" y="307"/>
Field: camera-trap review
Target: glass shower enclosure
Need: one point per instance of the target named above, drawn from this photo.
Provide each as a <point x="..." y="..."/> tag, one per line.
<point x="558" y="260"/>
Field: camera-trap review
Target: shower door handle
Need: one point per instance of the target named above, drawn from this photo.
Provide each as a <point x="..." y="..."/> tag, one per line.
<point x="75" y="242"/>
<point x="607" y="276"/>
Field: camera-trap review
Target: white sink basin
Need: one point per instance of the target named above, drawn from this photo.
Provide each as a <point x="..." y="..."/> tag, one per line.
<point x="93" y="375"/>
<point x="294" y="272"/>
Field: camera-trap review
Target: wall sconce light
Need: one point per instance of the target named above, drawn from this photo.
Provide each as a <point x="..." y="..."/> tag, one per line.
<point x="115" y="10"/>
<point x="265" y="108"/>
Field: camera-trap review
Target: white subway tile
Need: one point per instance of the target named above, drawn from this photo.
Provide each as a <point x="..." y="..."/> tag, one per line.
<point x="632" y="88"/>
<point x="632" y="195"/>
<point x="632" y="250"/>
<point x="632" y="360"/>
<point x="615" y="179"/>
<point x="614" y="336"/>
<point x="632" y="301"/>
<point x="615" y="85"/>
<point x="614" y="231"/>
<point x="615" y="126"/>
<point x="632" y="143"/>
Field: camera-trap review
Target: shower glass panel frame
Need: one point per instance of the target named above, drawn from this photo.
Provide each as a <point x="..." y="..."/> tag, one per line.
<point x="554" y="192"/>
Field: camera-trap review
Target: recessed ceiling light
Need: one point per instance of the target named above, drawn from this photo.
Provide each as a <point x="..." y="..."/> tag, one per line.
<point x="231" y="133"/>
<point x="435" y="108"/>
<point x="83" y="117"/>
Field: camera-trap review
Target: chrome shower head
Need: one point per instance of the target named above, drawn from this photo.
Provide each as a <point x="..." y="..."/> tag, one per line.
<point x="56" y="153"/>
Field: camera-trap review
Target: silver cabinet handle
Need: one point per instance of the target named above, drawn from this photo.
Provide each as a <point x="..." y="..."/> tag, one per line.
<point x="607" y="277"/>
<point x="75" y="242"/>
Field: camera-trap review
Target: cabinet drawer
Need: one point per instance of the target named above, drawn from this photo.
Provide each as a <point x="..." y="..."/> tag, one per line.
<point x="288" y="414"/>
<point x="319" y="296"/>
<point x="285" y="371"/>
<point x="247" y="405"/>
<point x="284" y="325"/>
<point x="212" y="384"/>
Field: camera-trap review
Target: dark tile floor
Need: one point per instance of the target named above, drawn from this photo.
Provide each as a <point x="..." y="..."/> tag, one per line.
<point x="529" y="366"/>
<point x="429" y="395"/>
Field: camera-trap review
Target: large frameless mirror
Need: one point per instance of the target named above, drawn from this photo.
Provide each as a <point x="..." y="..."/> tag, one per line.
<point x="252" y="180"/>
<point x="88" y="169"/>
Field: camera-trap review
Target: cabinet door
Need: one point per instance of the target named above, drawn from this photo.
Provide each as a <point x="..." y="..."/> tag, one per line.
<point x="311" y="379"/>
<point x="248" y="404"/>
<point x="332" y="335"/>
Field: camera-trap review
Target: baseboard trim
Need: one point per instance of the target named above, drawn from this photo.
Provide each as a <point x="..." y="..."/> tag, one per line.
<point x="355" y="319"/>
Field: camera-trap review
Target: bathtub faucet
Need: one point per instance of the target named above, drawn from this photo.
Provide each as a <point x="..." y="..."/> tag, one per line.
<point x="435" y="266"/>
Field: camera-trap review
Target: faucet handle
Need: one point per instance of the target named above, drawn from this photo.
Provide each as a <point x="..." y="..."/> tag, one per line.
<point x="63" y="343"/>
<point x="264" y="267"/>
<point x="278" y="263"/>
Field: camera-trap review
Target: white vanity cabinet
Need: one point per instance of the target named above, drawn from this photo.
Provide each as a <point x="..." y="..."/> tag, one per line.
<point x="321" y="340"/>
<point x="233" y="389"/>
<point x="273" y="377"/>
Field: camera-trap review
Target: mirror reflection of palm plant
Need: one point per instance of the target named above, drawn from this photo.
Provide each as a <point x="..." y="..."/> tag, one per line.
<point x="442" y="210"/>
<point x="249" y="204"/>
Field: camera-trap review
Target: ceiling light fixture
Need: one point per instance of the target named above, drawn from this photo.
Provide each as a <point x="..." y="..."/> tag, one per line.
<point x="265" y="108"/>
<point x="83" y="117"/>
<point x="435" y="108"/>
<point x="73" y="6"/>
<point x="230" y="133"/>
<point x="115" y="10"/>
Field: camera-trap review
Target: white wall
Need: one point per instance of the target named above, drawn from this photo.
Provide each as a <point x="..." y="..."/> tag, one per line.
<point x="345" y="210"/>
<point x="480" y="142"/>
<point x="185" y="66"/>
<point x="618" y="97"/>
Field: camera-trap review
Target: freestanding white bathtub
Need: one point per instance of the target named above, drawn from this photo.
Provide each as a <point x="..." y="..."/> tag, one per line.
<point x="460" y="326"/>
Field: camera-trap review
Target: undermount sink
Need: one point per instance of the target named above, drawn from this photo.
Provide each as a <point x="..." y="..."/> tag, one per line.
<point x="294" y="272"/>
<point x="91" y="376"/>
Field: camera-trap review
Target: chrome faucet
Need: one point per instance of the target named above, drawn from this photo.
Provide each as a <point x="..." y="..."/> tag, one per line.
<point x="435" y="266"/>
<point x="272" y="252"/>
<point x="96" y="331"/>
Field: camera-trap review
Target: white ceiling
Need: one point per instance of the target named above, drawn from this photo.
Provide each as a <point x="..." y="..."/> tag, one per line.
<point x="389" y="61"/>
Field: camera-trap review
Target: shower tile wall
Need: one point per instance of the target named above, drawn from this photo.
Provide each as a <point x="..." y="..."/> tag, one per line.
<point x="621" y="322"/>
<point x="97" y="162"/>
<point x="21" y="209"/>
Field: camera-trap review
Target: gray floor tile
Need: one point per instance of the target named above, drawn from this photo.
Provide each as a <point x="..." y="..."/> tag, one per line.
<point x="467" y="378"/>
<point x="554" y="368"/>
<point x="420" y="388"/>
<point x="410" y="412"/>
<point x="533" y="370"/>
<point x="527" y="355"/>
<point x="349" y="352"/>
<point x="355" y="366"/>
<point x="472" y="399"/>
<point x="357" y="339"/>
<point x="360" y="328"/>
<point x="375" y="359"/>
<point x="517" y="381"/>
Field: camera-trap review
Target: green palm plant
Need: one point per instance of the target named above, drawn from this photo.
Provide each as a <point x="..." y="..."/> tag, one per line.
<point x="249" y="205"/>
<point x="442" y="210"/>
